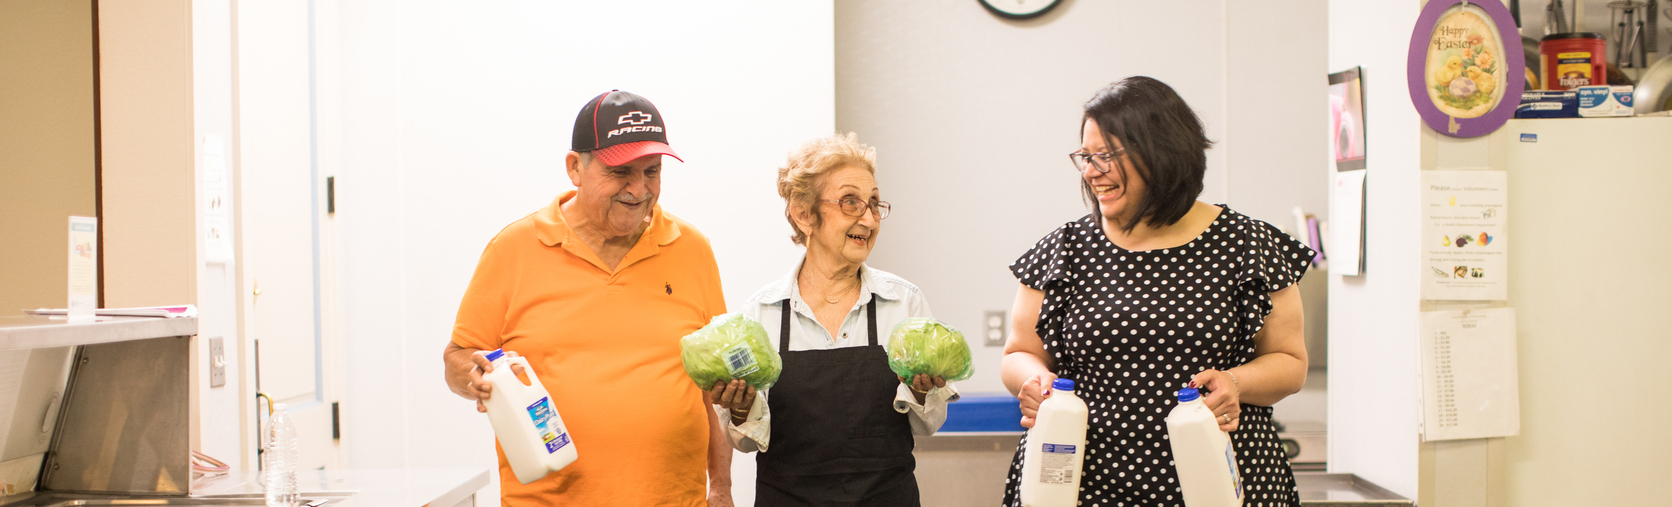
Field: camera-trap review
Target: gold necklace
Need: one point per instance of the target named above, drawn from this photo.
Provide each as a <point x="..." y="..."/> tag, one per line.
<point x="843" y="291"/>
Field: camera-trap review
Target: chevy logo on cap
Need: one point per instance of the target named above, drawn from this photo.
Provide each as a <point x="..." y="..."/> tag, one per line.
<point x="636" y="121"/>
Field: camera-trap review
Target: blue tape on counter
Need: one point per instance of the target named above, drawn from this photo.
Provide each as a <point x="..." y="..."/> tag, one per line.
<point x="1529" y="138"/>
<point x="983" y="413"/>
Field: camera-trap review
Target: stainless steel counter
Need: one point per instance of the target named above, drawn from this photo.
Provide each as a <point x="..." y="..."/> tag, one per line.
<point x="1344" y="490"/>
<point x="430" y="487"/>
<point x="140" y="362"/>
<point x="33" y="332"/>
<point x="958" y="469"/>
<point x="437" y="487"/>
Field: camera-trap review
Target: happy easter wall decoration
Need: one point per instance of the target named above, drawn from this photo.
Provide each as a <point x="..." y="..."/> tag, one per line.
<point x="1464" y="80"/>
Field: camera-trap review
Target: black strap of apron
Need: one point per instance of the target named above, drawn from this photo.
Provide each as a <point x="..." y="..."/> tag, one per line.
<point x="784" y="330"/>
<point x="871" y="319"/>
<point x="870" y="324"/>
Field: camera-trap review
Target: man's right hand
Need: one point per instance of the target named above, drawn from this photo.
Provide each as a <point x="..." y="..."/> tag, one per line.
<point x="465" y="368"/>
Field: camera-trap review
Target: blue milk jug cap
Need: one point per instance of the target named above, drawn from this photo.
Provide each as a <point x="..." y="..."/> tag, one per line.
<point x="496" y="354"/>
<point x="1188" y="394"/>
<point x="1062" y="384"/>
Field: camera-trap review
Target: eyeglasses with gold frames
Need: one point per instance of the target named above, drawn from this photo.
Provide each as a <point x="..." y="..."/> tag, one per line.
<point x="854" y="207"/>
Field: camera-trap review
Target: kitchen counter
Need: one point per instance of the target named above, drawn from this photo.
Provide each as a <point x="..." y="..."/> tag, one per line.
<point x="948" y="462"/>
<point x="435" y="487"/>
<point x="38" y="332"/>
<point x="1344" y="490"/>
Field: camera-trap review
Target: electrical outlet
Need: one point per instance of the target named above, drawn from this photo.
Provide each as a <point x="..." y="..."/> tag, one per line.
<point x="217" y="362"/>
<point x="994" y="325"/>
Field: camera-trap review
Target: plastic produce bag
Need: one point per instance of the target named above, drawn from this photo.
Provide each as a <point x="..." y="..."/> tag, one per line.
<point x="730" y="347"/>
<point x="928" y="347"/>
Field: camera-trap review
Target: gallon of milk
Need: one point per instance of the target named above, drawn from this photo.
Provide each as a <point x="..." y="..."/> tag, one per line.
<point x="530" y="431"/>
<point x="1056" y="448"/>
<point x="1207" y="465"/>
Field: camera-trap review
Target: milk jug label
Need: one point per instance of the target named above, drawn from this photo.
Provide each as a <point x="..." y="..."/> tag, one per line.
<point x="1056" y="464"/>
<point x="1236" y="475"/>
<point x="545" y="424"/>
<point x="740" y="360"/>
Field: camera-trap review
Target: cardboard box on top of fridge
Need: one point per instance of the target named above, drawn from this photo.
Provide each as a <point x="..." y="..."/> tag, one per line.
<point x="1604" y="101"/>
<point x="1548" y="104"/>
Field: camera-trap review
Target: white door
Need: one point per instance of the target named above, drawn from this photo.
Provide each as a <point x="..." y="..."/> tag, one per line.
<point x="281" y="212"/>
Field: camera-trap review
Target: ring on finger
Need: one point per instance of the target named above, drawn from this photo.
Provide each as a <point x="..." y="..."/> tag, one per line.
<point x="1226" y="417"/>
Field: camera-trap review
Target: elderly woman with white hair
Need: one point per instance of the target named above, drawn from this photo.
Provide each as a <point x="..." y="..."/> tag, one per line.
<point x="837" y="427"/>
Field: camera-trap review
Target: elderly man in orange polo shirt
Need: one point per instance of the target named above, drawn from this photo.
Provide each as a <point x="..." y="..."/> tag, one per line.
<point x="596" y="289"/>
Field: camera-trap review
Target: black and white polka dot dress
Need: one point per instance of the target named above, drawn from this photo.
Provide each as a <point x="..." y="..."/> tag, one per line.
<point x="1132" y="328"/>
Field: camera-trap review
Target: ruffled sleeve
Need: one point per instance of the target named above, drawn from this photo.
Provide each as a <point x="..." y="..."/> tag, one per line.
<point x="1047" y="261"/>
<point x="1271" y="260"/>
<point x="1048" y="268"/>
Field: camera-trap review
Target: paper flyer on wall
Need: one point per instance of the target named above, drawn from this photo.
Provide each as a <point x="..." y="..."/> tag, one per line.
<point x="217" y="194"/>
<point x="1469" y="386"/>
<point x="1464" y="242"/>
<point x="1347" y="208"/>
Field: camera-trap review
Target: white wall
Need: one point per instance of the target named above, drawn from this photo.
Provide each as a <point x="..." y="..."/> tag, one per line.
<point x="454" y="122"/>
<point x="222" y="417"/>
<point x="1373" y="384"/>
<point x="1276" y="63"/>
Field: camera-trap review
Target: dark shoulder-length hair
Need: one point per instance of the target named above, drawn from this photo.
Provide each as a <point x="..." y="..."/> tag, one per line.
<point x="1164" y="139"/>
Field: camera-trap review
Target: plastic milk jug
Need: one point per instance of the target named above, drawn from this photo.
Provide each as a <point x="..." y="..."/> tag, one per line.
<point x="1056" y="448"/>
<point x="530" y="431"/>
<point x="1207" y="465"/>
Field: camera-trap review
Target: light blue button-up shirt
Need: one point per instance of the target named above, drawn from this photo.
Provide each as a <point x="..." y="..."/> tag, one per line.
<point x="897" y="300"/>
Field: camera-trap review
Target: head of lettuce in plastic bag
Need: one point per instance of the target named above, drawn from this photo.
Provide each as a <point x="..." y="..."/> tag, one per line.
<point x="923" y="346"/>
<point x="730" y="347"/>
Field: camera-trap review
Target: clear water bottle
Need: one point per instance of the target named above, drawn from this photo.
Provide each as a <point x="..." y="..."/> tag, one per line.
<point x="278" y="459"/>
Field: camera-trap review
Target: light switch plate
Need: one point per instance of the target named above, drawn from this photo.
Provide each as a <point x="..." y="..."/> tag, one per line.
<point x="217" y="362"/>
<point x="993" y="326"/>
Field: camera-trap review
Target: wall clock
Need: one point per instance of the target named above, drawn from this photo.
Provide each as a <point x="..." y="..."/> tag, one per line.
<point x="1019" y="9"/>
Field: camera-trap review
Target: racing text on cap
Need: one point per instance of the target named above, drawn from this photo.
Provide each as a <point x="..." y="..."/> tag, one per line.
<point x="637" y="119"/>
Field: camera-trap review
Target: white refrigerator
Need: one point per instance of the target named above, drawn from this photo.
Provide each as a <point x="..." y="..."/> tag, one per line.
<point x="1591" y="282"/>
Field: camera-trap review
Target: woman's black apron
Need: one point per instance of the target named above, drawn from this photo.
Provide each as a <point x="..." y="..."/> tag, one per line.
<point x="836" y="439"/>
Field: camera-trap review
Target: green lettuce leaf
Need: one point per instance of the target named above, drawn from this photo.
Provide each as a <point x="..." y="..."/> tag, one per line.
<point x="928" y="347"/>
<point x="730" y="347"/>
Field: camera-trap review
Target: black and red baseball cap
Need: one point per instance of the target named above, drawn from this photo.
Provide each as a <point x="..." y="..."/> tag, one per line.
<point x="620" y="127"/>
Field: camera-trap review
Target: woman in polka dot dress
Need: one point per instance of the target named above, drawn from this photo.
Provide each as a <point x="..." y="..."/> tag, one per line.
<point x="1152" y="291"/>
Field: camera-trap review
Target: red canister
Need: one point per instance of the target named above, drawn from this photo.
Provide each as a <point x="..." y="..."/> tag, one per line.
<point x="1572" y="60"/>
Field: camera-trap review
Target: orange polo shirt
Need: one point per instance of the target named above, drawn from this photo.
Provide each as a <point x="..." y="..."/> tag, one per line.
<point x="606" y="345"/>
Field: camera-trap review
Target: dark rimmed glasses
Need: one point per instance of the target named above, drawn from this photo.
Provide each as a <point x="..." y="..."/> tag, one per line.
<point x="854" y="207"/>
<point x="1103" y="161"/>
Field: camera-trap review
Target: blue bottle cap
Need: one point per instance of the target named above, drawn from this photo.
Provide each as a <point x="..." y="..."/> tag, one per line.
<point x="1188" y="394"/>
<point x="1062" y="384"/>
<point x="496" y="354"/>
